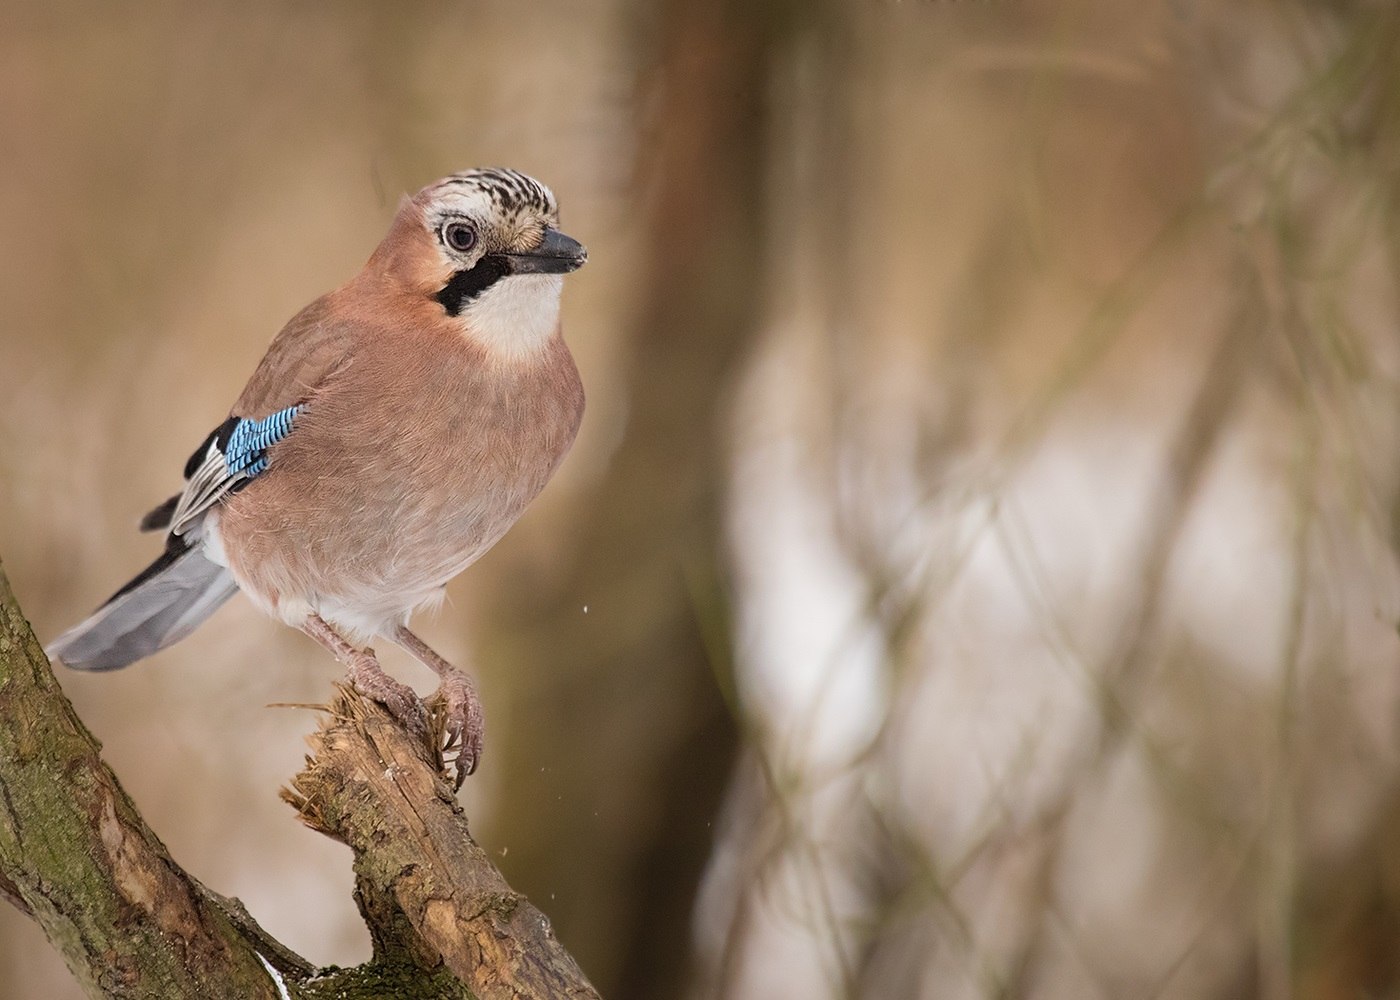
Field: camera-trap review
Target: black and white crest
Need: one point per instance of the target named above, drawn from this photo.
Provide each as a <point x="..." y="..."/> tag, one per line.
<point x="510" y="191"/>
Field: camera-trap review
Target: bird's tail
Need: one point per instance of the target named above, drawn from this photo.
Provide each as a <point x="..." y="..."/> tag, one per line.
<point x="163" y="604"/>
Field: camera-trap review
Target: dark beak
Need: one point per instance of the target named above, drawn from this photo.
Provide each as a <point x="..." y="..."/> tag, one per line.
<point x="556" y="254"/>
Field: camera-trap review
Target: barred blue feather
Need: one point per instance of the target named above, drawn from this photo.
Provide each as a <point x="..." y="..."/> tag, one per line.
<point x="233" y="455"/>
<point x="246" y="450"/>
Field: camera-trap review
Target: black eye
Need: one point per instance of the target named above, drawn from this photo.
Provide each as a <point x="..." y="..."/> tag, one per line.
<point x="459" y="236"/>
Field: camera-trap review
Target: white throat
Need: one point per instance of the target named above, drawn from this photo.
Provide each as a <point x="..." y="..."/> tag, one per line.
<point x="516" y="316"/>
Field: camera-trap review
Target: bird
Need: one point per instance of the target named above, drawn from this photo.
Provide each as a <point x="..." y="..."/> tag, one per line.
<point x="393" y="432"/>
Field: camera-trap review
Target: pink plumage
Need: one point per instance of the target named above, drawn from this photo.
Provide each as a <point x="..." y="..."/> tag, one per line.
<point x="423" y="405"/>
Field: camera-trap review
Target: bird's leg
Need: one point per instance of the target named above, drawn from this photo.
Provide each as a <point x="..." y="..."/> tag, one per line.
<point x="368" y="677"/>
<point x="464" y="721"/>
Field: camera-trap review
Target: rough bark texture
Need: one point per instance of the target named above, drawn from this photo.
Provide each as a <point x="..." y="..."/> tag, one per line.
<point x="429" y="894"/>
<point x="77" y="857"/>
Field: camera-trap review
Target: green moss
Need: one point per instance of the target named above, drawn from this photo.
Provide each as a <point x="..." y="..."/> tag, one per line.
<point x="384" y="981"/>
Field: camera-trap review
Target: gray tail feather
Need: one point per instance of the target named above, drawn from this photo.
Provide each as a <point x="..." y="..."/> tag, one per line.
<point x="162" y="605"/>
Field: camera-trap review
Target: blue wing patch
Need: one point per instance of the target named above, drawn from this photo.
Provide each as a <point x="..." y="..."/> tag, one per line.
<point x="232" y="456"/>
<point x="246" y="450"/>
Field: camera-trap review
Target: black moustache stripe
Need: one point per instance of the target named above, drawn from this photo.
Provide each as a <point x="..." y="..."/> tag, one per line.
<point x="467" y="285"/>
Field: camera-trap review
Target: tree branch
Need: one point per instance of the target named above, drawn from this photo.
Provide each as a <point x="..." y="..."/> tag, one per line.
<point x="428" y="893"/>
<point x="77" y="857"/>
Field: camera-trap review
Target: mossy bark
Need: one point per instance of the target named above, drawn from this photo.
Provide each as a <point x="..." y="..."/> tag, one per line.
<point x="79" y="859"/>
<point x="76" y="856"/>
<point x="426" y="889"/>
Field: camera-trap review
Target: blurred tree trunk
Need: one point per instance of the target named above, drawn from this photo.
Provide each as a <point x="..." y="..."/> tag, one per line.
<point x="628" y="753"/>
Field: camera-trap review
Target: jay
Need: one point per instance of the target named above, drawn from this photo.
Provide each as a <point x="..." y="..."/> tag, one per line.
<point x="393" y="432"/>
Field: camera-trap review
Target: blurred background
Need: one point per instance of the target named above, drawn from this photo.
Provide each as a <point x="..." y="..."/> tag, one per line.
<point x="976" y="574"/>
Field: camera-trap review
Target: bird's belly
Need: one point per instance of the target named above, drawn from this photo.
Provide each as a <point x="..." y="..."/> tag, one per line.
<point x="363" y="517"/>
<point x="367" y="558"/>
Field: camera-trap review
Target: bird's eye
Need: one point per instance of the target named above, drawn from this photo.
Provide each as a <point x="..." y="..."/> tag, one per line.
<point x="459" y="236"/>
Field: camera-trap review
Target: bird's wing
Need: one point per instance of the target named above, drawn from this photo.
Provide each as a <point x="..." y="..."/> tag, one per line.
<point x="233" y="454"/>
<point x="307" y="352"/>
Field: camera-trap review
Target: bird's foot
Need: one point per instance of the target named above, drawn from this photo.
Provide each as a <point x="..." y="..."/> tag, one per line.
<point x="456" y="703"/>
<point x="403" y="703"/>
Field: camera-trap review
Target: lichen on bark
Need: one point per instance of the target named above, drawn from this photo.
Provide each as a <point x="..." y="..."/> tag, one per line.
<point x="76" y="856"/>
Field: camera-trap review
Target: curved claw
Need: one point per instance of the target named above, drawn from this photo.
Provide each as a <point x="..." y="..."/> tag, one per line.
<point x="456" y="704"/>
<point x="462" y="725"/>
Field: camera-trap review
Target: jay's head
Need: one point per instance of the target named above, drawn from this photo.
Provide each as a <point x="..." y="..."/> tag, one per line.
<point x="484" y="246"/>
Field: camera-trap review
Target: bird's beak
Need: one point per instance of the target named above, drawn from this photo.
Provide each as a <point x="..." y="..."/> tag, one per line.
<point x="556" y="254"/>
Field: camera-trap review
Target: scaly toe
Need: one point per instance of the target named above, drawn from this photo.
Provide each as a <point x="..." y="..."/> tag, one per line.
<point x="462" y="726"/>
<point x="401" y="700"/>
